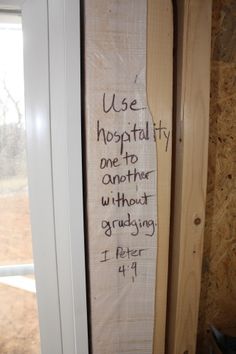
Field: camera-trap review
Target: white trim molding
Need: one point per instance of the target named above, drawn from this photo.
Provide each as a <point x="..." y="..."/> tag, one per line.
<point x="65" y="99"/>
<point x="51" y="30"/>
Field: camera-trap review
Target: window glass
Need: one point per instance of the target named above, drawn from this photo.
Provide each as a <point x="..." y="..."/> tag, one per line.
<point x="19" y="330"/>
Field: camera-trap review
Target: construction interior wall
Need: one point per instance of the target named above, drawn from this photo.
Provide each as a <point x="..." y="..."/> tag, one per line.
<point x="128" y="165"/>
<point x="218" y="295"/>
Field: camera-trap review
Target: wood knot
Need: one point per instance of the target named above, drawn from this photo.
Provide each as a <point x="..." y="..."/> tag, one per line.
<point x="197" y="221"/>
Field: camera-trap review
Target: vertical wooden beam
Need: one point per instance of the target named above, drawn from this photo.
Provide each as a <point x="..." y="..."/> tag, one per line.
<point x="192" y="119"/>
<point x="159" y="97"/>
<point x="128" y="307"/>
<point x="128" y="292"/>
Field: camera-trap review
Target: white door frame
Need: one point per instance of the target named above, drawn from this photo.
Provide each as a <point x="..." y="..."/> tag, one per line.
<point x="53" y="117"/>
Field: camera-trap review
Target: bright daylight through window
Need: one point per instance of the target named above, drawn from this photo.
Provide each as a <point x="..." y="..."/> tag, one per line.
<point x="19" y="330"/>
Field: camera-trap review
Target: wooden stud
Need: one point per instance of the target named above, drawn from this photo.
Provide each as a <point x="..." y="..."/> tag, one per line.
<point x="159" y="96"/>
<point x="126" y="306"/>
<point x="192" y="120"/>
<point x="122" y="301"/>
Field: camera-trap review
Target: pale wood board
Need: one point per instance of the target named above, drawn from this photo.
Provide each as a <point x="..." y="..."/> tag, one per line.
<point x="159" y="96"/>
<point x="123" y="313"/>
<point x="192" y="120"/>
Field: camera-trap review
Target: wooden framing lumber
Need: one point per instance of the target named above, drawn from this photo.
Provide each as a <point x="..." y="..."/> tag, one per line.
<point x="121" y="178"/>
<point x="128" y="244"/>
<point x="192" y="120"/>
<point x="159" y="96"/>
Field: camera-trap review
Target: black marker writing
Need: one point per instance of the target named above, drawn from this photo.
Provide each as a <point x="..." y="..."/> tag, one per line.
<point x="133" y="134"/>
<point x="123" y="106"/>
<point x="136" y="134"/>
<point x="120" y="200"/>
<point x="105" y="258"/>
<point x="149" y="225"/>
<point x="130" y="177"/>
<point x="160" y="131"/>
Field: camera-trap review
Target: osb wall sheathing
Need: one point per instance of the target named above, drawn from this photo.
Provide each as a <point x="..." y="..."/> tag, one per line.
<point x="218" y="295"/>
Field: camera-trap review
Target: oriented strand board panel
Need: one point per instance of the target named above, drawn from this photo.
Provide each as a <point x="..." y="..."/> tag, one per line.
<point x="128" y="153"/>
<point x="192" y="121"/>
<point x="218" y="294"/>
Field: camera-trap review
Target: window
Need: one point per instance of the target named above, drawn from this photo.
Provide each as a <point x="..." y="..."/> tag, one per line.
<point x="18" y="315"/>
<point x="51" y="32"/>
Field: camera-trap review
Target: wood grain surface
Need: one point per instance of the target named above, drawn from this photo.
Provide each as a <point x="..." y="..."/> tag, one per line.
<point x="159" y="95"/>
<point x="122" y="239"/>
<point x="128" y="157"/>
<point x="192" y="121"/>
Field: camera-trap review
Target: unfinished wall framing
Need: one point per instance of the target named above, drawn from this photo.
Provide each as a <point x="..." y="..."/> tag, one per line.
<point x="128" y="135"/>
<point x="129" y="88"/>
<point x="191" y="151"/>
